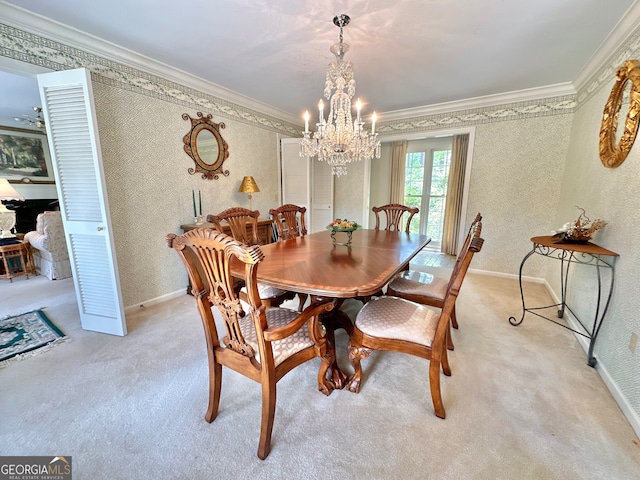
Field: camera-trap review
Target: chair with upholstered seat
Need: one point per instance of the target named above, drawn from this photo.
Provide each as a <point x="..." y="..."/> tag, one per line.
<point x="289" y="221"/>
<point x="49" y="246"/>
<point x="244" y="228"/>
<point x="428" y="289"/>
<point x="400" y="325"/>
<point x="242" y="222"/>
<point x="394" y="213"/>
<point x="265" y="343"/>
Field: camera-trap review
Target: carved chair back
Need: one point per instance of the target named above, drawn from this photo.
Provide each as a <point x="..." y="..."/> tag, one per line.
<point x="394" y="213"/>
<point x="289" y="220"/>
<point x="207" y="255"/>
<point x="263" y="344"/>
<point x="242" y="222"/>
<point x="477" y="222"/>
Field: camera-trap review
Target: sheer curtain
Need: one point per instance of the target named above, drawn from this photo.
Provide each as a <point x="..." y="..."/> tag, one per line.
<point x="453" y="204"/>
<point x="398" y="165"/>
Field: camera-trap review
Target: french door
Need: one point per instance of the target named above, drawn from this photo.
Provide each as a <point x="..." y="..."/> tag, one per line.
<point x="426" y="177"/>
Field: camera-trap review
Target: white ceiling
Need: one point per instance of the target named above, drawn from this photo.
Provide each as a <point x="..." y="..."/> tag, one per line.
<point x="406" y="53"/>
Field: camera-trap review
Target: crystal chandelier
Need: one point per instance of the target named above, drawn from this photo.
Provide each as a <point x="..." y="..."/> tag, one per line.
<point x="340" y="140"/>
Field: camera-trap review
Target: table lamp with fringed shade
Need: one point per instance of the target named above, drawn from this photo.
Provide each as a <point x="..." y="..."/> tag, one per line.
<point x="7" y="217"/>
<point x="249" y="186"/>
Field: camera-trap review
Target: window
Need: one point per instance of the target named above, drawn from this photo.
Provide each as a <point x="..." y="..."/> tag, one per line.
<point x="426" y="177"/>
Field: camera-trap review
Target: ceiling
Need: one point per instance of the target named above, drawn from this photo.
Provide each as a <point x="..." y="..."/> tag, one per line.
<point x="406" y="53"/>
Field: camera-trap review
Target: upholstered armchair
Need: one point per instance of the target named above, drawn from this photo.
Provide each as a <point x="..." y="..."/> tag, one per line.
<point x="49" y="246"/>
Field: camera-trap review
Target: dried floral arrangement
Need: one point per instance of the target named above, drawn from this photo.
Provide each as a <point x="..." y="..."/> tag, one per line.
<point x="580" y="230"/>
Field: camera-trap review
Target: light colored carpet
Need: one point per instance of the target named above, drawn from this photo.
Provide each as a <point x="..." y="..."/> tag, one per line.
<point x="521" y="404"/>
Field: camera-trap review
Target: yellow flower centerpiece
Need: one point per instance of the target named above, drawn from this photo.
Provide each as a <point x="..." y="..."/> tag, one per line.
<point x="345" y="225"/>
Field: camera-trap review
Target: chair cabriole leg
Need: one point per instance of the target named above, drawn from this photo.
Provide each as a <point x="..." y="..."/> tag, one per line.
<point x="434" y="382"/>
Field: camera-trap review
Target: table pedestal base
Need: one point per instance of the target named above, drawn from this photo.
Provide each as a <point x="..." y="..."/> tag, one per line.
<point x="332" y="321"/>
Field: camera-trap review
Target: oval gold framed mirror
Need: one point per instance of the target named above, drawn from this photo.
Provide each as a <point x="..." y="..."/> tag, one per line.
<point x="205" y="146"/>
<point x="620" y="118"/>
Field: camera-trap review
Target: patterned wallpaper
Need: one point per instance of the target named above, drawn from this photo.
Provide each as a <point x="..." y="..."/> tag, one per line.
<point x="31" y="48"/>
<point x="533" y="162"/>
<point x="499" y="113"/>
<point x="612" y="194"/>
<point x="149" y="187"/>
<point x="515" y="183"/>
<point x="349" y="193"/>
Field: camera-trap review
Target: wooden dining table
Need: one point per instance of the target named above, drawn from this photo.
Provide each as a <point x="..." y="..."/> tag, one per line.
<point x="314" y="265"/>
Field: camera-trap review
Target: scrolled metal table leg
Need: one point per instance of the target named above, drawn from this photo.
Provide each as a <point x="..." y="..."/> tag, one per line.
<point x="512" y="320"/>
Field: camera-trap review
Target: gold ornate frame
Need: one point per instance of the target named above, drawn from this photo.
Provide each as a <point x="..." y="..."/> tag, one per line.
<point x="210" y="169"/>
<point x="613" y="153"/>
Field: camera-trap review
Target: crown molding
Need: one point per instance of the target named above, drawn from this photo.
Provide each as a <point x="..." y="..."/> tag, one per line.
<point x="550" y="91"/>
<point x="590" y="78"/>
<point x="20" y="18"/>
<point x="624" y="29"/>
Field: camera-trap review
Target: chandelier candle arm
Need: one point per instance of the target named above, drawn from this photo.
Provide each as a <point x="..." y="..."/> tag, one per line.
<point x="341" y="139"/>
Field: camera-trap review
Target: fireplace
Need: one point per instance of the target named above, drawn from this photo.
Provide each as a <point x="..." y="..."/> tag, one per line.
<point x="27" y="211"/>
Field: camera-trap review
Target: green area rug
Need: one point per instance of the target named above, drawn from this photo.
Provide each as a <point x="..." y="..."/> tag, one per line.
<point x="25" y="335"/>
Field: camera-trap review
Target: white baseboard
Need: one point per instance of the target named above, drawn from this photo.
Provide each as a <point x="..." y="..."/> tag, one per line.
<point x="489" y="273"/>
<point x="154" y="301"/>
<point x="506" y="275"/>
<point x="623" y="402"/>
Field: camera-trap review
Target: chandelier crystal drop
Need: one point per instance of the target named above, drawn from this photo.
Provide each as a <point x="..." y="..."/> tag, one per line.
<point x="339" y="139"/>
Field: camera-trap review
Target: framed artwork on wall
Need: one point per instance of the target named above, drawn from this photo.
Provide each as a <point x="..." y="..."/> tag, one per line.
<point x="24" y="156"/>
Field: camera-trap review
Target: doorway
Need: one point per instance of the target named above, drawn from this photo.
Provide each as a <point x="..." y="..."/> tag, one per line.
<point x="380" y="187"/>
<point x="425" y="186"/>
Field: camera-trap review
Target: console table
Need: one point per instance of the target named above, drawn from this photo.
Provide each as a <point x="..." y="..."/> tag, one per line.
<point x="588" y="254"/>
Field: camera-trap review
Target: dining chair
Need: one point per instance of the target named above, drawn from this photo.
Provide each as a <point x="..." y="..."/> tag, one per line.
<point x="243" y="224"/>
<point x="289" y="221"/>
<point x="427" y="289"/>
<point x="394" y="213"/>
<point x="263" y="344"/>
<point x="400" y="325"/>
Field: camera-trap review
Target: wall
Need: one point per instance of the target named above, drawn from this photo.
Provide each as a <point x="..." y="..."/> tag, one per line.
<point x="349" y="193"/>
<point x="612" y="194"/>
<point x="149" y="187"/>
<point x="516" y="174"/>
<point x="533" y="162"/>
<point x="515" y="183"/>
